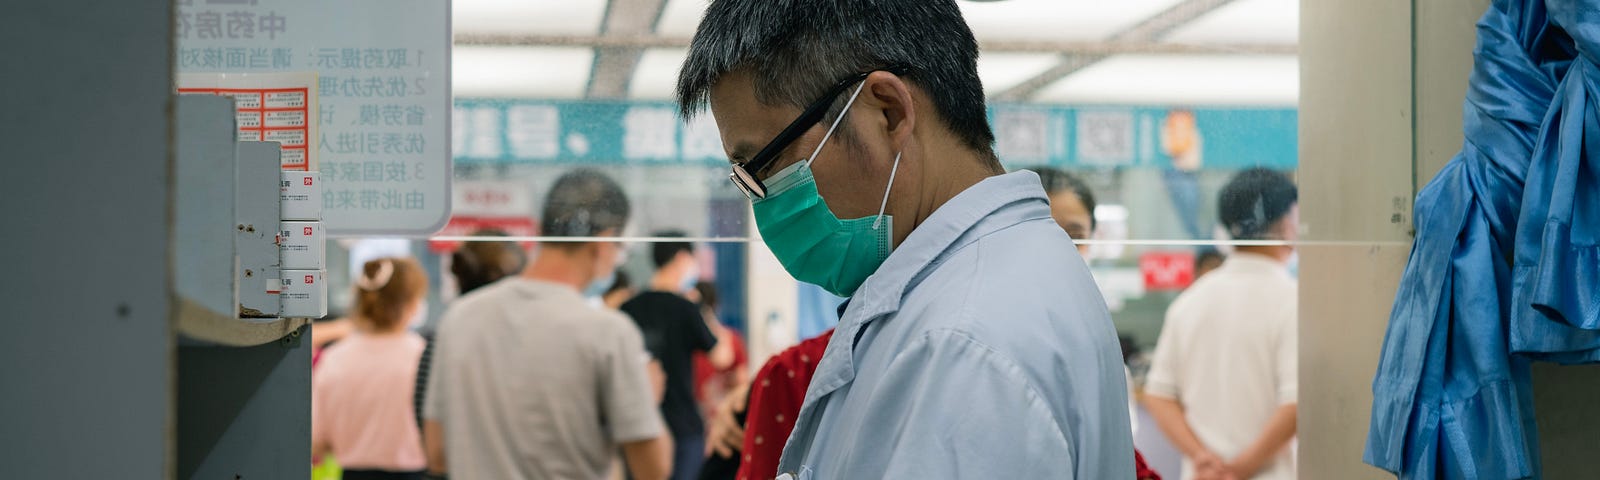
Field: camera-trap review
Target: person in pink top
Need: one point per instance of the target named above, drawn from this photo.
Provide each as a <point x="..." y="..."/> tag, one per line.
<point x="361" y="408"/>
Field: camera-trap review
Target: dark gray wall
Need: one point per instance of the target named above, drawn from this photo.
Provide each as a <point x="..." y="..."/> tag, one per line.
<point x="1564" y="403"/>
<point x="86" y="356"/>
<point x="245" y="413"/>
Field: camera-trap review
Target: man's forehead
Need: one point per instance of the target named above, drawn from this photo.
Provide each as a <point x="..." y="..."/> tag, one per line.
<point x="735" y="93"/>
<point x="745" y="122"/>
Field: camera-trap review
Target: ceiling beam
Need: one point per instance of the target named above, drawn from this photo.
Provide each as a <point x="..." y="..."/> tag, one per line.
<point x="1146" y="31"/>
<point x="646" y="41"/>
<point x="613" y="65"/>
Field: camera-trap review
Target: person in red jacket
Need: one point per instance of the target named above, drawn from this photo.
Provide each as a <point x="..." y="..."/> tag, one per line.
<point x="774" y="399"/>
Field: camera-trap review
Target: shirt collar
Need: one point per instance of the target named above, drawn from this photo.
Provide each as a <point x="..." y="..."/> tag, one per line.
<point x="956" y="223"/>
<point x="535" y="287"/>
<point x="1254" y="263"/>
<point x="975" y="212"/>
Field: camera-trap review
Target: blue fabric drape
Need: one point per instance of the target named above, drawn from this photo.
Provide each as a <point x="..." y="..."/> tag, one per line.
<point x="1505" y="268"/>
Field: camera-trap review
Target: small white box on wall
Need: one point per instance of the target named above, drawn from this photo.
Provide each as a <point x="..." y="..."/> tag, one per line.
<point x="303" y="294"/>
<point x="301" y="194"/>
<point x="300" y="246"/>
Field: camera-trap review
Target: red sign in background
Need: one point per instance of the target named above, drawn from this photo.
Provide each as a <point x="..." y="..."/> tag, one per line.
<point x="1167" y="270"/>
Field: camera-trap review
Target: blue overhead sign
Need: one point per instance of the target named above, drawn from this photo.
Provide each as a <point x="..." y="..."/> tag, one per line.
<point x="493" y="131"/>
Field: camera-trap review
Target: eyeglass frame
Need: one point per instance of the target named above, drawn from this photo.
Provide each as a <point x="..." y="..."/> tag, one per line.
<point x="744" y="173"/>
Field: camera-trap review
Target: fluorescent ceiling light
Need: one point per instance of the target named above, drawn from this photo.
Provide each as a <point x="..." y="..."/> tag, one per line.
<point x="565" y="17"/>
<point x="1244" y="22"/>
<point x="680" y="18"/>
<point x="1000" y="71"/>
<point x="521" y="72"/>
<point x="1182" y="80"/>
<point x="1068" y="20"/>
<point x="656" y="75"/>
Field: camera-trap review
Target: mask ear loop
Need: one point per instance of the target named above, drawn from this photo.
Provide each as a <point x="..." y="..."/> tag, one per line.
<point x="892" y="170"/>
<point x="835" y="124"/>
<point x="885" y="204"/>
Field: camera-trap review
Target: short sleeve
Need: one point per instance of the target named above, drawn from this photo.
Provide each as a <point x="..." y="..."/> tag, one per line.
<point x="626" y="399"/>
<point x="1163" y="378"/>
<point x="700" y="333"/>
<point x="437" y="372"/>
<point x="1288" y="354"/>
<point x="419" y="392"/>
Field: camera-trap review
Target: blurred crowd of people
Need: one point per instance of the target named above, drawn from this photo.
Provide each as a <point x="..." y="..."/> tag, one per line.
<point x="561" y="366"/>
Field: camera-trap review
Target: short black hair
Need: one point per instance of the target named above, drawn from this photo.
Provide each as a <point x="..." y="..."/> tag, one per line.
<point x="583" y="203"/>
<point x="1253" y="201"/>
<point x="663" y="252"/>
<point x="1057" y="181"/>
<point x="796" y="49"/>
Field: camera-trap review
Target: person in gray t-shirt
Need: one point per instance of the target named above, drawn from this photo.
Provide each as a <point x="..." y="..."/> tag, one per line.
<point x="530" y="381"/>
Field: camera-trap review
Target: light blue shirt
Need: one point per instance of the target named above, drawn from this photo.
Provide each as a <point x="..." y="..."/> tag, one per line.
<point x="980" y="349"/>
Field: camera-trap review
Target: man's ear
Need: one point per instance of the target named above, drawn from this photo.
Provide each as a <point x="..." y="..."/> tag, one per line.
<point x="890" y="95"/>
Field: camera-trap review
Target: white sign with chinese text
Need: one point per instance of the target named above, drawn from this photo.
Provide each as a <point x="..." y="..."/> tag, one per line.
<point x="383" y="91"/>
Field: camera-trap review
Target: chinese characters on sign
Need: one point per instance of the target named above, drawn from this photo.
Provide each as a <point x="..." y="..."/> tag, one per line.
<point x="228" y="19"/>
<point x="650" y="133"/>
<point x="381" y="97"/>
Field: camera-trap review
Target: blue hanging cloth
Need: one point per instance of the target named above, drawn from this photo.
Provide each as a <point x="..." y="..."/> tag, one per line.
<point x="1505" y="268"/>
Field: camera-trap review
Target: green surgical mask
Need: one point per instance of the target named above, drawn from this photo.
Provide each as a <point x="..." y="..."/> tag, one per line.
<point x="814" y="245"/>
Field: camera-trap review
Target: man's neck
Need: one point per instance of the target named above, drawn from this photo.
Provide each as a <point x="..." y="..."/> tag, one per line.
<point x="664" y="281"/>
<point x="556" y="266"/>
<point x="948" y="170"/>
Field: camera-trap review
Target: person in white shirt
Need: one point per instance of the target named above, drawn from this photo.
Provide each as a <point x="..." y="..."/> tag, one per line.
<point x="1222" y="384"/>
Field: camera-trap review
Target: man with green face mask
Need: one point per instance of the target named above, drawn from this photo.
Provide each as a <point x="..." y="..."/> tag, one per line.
<point x="976" y="344"/>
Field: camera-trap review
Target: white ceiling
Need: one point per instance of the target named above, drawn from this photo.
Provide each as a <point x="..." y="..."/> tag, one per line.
<point x="657" y="73"/>
<point x="1182" y="80"/>
<point x="562" y="73"/>
<point x="680" y="17"/>
<point x="1068" y="20"/>
<point x="570" y="17"/>
<point x="1275" y="22"/>
<point x="520" y="72"/>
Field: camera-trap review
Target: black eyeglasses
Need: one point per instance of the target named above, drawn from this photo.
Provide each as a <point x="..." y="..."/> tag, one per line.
<point x="744" y="174"/>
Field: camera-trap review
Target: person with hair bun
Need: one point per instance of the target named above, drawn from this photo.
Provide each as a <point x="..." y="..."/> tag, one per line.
<point x="361" y="410"/>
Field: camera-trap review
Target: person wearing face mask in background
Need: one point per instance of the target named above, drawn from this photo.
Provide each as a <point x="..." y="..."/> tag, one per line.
<point x="361" y="411"/>
<point x="950" y="361"/>
<point x="529" y="380"/>
<point x="1223" y="382"/>
<point x="674" y="329"/>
